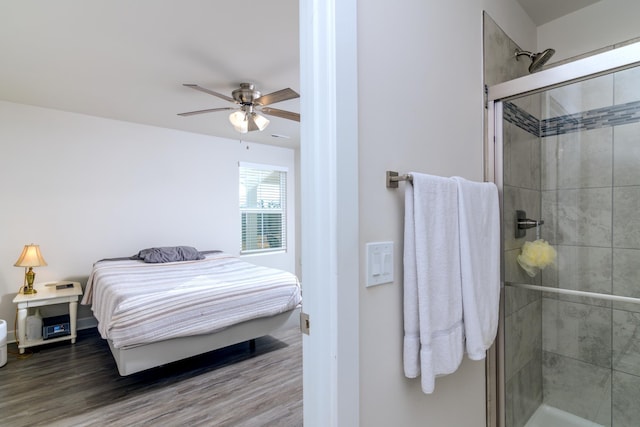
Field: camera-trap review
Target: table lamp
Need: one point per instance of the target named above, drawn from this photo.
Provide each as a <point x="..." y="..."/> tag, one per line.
<point x="30" y="257"/>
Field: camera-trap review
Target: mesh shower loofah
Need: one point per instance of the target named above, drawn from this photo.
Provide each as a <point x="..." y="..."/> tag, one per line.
<point x="536" y="255"/>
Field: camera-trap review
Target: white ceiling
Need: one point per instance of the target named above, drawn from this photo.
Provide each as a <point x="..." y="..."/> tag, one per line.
<point x="127" y="60"/>
<point x="543" y="11"/>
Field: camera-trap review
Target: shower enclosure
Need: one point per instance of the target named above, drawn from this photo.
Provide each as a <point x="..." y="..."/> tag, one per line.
<point x="567" y="155"/>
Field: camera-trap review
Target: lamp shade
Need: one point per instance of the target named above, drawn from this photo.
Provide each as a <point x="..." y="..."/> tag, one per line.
<point x="239" y="121"/>
<point x="30" y="257"/>
<point x="260" y="121"/>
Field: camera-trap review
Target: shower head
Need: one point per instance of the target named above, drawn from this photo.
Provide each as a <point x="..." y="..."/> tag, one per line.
<point x="537" y="59"/>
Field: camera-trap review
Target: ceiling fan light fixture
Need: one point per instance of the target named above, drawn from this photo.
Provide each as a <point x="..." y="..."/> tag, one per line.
<point x="261" y="121"/>
<point x="239" y="121"/>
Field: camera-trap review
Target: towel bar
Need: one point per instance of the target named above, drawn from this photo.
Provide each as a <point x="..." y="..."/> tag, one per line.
<point x="393" y="178"/>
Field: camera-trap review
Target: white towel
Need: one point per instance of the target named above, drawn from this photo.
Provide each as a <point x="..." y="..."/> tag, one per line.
<point x="434" y="340"/>
<point x="479" y="212"/>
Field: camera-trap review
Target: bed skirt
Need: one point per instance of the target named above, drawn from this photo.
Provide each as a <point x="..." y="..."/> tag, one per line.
<point x="139" y="358"/>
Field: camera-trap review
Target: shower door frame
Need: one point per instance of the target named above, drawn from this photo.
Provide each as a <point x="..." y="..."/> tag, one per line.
<point x="596" y="65"/>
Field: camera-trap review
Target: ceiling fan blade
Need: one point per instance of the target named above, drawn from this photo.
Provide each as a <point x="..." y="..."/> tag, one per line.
<point x="278" y="96"/>
<point x="210" y="110"/>
<point x="210" y="92"/>
<point x="281" y="113"/>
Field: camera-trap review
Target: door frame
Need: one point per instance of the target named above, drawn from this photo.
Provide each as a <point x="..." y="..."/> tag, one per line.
<point x="329" y="211"/>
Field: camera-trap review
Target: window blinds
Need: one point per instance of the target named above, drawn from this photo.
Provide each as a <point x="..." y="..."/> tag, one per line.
<point x="263" y="208"/>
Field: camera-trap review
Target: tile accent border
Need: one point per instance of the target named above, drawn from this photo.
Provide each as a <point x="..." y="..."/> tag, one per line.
<point x="519" y="117"/>
<point x="593" y="119"/>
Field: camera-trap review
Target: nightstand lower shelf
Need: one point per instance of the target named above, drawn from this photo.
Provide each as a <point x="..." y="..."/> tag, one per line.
<point x="31" y="343"/>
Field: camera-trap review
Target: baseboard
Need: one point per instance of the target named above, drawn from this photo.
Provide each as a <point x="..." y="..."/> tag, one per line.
<point x="87" y="323"/>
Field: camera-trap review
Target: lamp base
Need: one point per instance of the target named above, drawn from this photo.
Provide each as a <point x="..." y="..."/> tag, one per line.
<point x="29" y="278"/>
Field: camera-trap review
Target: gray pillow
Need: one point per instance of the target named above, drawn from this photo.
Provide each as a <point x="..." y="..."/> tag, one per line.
<point x="169" y="254"/>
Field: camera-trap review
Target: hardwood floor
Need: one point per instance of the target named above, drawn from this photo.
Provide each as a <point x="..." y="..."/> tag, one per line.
<point x="78" y="384"/>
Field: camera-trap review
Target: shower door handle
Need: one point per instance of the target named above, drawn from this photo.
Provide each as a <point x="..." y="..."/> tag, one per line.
<point x="523" y="223"/>
<point x="526" y="223"/>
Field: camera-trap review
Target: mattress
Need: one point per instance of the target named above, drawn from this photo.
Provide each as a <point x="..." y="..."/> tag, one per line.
<point x="137" y="303"/>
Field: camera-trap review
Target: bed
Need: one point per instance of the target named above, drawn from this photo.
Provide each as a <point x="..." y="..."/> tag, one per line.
<point x="153" y="313"/>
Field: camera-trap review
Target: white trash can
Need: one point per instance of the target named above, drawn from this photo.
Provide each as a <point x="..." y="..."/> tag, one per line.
<point x="3" y="343"/>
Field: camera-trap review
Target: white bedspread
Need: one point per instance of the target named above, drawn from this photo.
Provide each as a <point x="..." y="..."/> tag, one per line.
<point x="137" y="303"/>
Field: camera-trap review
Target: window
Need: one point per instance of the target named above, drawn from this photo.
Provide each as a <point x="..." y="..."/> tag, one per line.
<point x="263" y="202"/>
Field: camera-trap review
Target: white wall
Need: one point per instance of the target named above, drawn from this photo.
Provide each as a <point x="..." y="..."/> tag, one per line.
<point x="420" y="109"/>
<point x="86" y="188"/>
<point x="600" y="25"/>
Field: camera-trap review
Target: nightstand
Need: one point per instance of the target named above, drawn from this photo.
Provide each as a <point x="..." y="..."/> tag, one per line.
<point x="47" y="295"/>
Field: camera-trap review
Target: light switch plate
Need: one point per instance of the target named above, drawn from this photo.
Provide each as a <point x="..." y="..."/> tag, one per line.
<point x="379" y="263"/>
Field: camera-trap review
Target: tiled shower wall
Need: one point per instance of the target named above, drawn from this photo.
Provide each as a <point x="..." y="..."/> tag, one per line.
<point x="523" y="309"/>
<point x="591" y="197"/>
<point x="583" y="170"/>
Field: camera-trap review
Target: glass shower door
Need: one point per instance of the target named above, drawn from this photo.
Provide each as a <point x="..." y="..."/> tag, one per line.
<point x="571" y="179"/>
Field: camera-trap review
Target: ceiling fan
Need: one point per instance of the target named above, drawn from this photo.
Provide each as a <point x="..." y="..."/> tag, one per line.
<point x="246" y="117"/>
